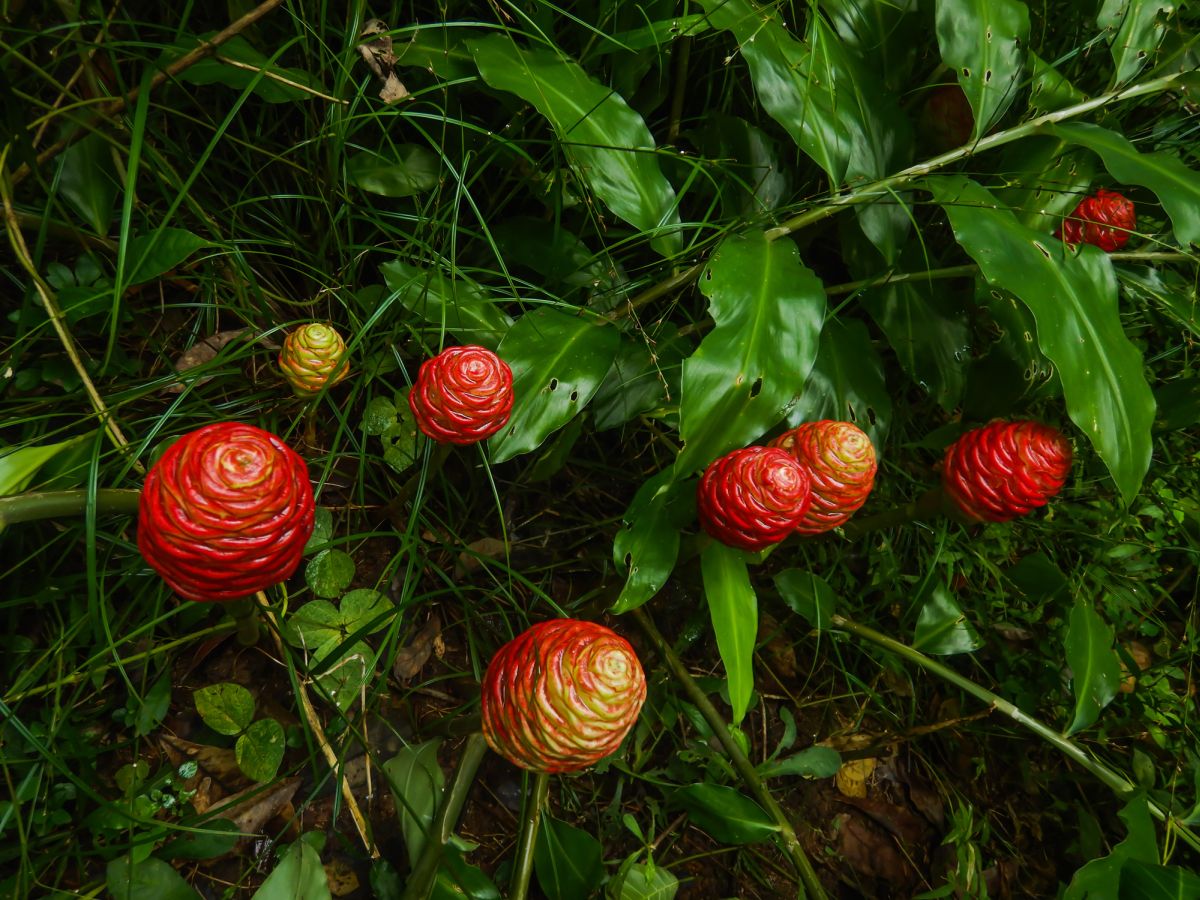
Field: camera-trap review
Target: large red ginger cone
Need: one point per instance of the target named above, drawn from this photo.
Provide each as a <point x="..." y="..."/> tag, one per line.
<point x="561" y="696"/>
<point x="753" y="497"/>
<point x="840" y="459"/>
<point x="312" y="356"/>
<point x="225" y="512"/>
<point x="1105" y="219"/>
<point x="1005" y="469"/>
<point x="462" y="395"/>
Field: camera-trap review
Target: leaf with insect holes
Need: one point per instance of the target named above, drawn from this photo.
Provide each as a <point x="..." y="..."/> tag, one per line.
<point x="647" y="545"/>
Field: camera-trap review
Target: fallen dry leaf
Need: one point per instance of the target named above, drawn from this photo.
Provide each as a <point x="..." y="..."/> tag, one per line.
<point x="851" y="779"/>
<point x="779" y="652"/>
<point x="251" y="809"/>
<point x="472" y="557"/>
<point x="218" y="762"/>
<point x="411" y="658"/>
<point x="206" y="349"/>
<point x="870" y="852"/>
<point x="381" y="59"/>
<point x="341" y="876"/>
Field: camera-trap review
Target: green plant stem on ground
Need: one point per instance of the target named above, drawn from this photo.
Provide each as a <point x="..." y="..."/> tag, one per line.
<point x="245" y="615"/>
<point x="810" y="885"/>
<point x="55" y="504"/>
<point x="531" y="817"/>
<point x="1121" y="785"/>
<point x="929" y="504"/>
<point x="420" y="882"/>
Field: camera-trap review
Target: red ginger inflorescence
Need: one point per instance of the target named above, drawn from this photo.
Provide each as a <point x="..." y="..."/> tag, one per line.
<point x="1005" y="469"/>
<point x="225" y="512"/>
<point x="1106" y="219"/>
<point x="840" y="460"/>
<point x="312" y="356"/>
<point x="753" y="497"/>
<point x="462" y="395"/>
<point x="561" y="696"/>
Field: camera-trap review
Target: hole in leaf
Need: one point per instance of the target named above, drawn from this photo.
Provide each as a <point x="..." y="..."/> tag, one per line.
<point x="554" y="384"/>
<point x="574" y="396"/>
<point x="1041" y="249"/>
<point x="966" y="72"/>
<point x="628" y="560"/>
<point x="987" y="76"/>
<point x="871" y="414"/>
<point x="755" y="388"/>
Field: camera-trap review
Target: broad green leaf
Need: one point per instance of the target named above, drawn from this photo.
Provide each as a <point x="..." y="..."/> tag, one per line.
<point x="728" y="815"/>
<point x="226" y="708"/>
<point x="1146" y="881"/>
<point x="299" y="876"/>
<point x="322" y="531"/>
<point x="942" y="627"/>
<point x="605" y="140"/>
<point x="400" y="171"/>
<point x="416" y="780"/>
<point x="215" y="70"/>
<point x="846" y="382"/>
<point x="1178" y="404"/>
<point x="557" y="255"/>
<point x="983" y="42"/>
<point x="153" y="706"/>
<point x="647" y="546"/>
<point x="656" y="35"/>
<point x="753" y="176"/>
<point x="1134" y="29"/>
<point x="733" y="607"/>
<point x="1174" y="294"/>
<point x="379" y="416"/>
<point x="1177" y="186"/>
<point x="365" y="608"/>
<point x="568" y="862"/>
<point x="318" y="626"/>
<point x="19" y="466"/>
<point x="88" y="181"/>
<point x="768" y="309"/>
<point x="215" y="837"/>
<point x="260" y="750"/>
<point x="459" y="305"/>
<point x="1048" y="178"/>
<point x="344" y="669"/>
<point x="1099" y="879"/>
<point x="440" y="49"/>
<point x="885" y="36"/>
<point x="1050" y="89"/>
<point x="644" y="377"/>
<point x="808" y="595"/>
<point x="457" y="879"/>
<point x="1038" y="578"/>
<point x="1095" y="667"/>
<point x="641" y="881"/>
<point x="1073" y="297"/>
<point x="147" y="879"/>
<point x="329" y="572"/>
<point x="149" y="255"/>
<point x="813" y="762"/>
<point x="558" y="361"/>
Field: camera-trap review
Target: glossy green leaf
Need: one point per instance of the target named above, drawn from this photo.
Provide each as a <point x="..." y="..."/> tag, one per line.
<point x="647" y="545"/>
<point x="379" y="415"/>
<point x="847" y="382"/>
<point x="885" y="36"/>
<point x="318" y="626"/>
<point x="568" y="862"/>
<point x="153" y="705"/>
<point x="457" y="879"/>
<point x="299" y="876"/>
<point x="345" y="668"/>
<point x="983" y="42"/>
<point x="1100" y="878"/>
<point x="557" y="255"/>
<point x="644" y="377"/>
<point x="942" y="627"/>
<point x="19" y="466"/>
<point x="813" y="762"/>
<point x="417" y="781"/>
<point x="1178" y="404"/>
<point x="213" y="70"/>
<point x="1073" y="297"/>
<point x="655" y="35"/>
<point x="768" y="309"/>
<point x="1145" y="881"/>
<point x="1048" y="178"/>
<point x="1133" y="29"/>
<point x="1168" y="289"/>
<point x="1050" y="89"/>
<point x="558" y="361"/>
<point x="605" y="140"/>
<point x="1177" y="186"/>
<point x="462" y="307"/>
<point x="150" y="255"/>
<point x="807" y="595"/>
<point x="404" y="171"/>
<point x="225" y="708"/>
<point x="753" y="176"/>
<point x="329" y="572"/>
<point x="260" y="750"/>
<point x="1095" y="667"/>
<point x="88" y="181"/>
<point x="215" y="837"/>
<point x="733" y="606"/>
<point x="147" y="879"/>
<point x="642" y="881"/>
<point x="728" y="815"/>
<point x="440" y="49"/>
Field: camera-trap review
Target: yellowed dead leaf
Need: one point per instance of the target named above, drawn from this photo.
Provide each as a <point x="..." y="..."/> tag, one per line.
<point x="411" y="659"/>
<point x="251" y="809"/>
<point x="471" y="558"/>
<point x="851" y="779"/>
<point x="204" y="350"/>
<point x="381" y="59"/>
<point x="342" y="878"/>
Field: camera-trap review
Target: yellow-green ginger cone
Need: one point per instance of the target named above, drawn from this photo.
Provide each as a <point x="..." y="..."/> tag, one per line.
<point x="312" y="357"/>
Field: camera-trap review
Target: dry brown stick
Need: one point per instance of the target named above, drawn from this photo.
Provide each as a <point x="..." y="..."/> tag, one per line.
<point x="17" y="240"/>
<point x="190" y="58"/>
<point x="314" y="723"/>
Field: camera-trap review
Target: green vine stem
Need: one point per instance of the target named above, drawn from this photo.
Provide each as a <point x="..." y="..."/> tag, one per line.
<point x="810" y="885"/>
<point x="929" y="504"/>
<point x="1121" y="785"/>
<point x="55" y="504"/>
<point x="245" y="615"/>
<point x="420" y="882"/>
<point x="531" y="817"/>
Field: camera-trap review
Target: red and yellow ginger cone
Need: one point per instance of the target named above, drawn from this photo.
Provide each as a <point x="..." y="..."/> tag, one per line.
<point x="225" y="512"/>
<point x="1005" y="469"/>
<point x="1106" y="219"/>
<point x="561" y="696"/>
<point x="312" y="357"/>
<point x="462" y="395"/>
<point x="753" y="497"/>
<point x="840" y="460"/>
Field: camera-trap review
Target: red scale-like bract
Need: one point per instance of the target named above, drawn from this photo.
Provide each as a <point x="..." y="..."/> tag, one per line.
<point x="225" y="512"/>
<point x="840" y="459"/>
<point x="1005" y="469"/>
<point x="1105" y="219"/>
<point x="753" y="497"/>
<point x="561" y="696"/>
<point x="462" y="395"/>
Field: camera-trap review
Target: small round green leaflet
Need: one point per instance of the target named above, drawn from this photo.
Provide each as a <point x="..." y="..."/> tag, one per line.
<point x="329" y="573"/>
<point x="260" y="750"/>
<point x="225" y="708"/>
